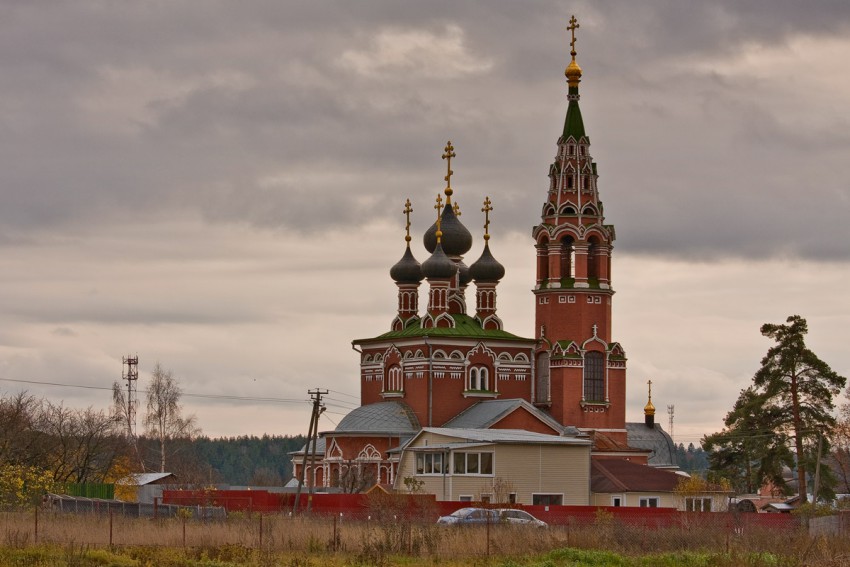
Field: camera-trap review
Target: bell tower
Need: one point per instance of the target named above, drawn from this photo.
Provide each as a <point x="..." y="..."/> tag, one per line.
<point x="581" y="373"/>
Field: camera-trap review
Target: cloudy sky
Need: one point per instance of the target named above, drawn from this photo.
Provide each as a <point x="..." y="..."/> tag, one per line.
<point x="218" y="186"/>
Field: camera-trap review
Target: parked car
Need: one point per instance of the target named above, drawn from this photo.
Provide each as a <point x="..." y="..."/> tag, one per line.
<point x="478" y="516"/>
<point x="520" y="517"/>
<point x="470" y="516"/>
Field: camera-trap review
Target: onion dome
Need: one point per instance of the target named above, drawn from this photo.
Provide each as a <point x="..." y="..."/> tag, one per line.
<point x="649" y="409"/>
<point x="407" y="270"/>
<point x="439" y="266"/>
<point x="487" y="268"/>
<point x="465" y="276"/>
<point x="456" y="239"/>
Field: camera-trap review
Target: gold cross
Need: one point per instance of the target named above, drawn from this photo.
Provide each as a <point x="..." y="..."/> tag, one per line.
<point x="456" y="209"/>
<point x="486" y="210"/>
<point x="572" y="29"/>
<point x="649" y="382"/>
<point x="448" y="154"/>
<point x="439" y="207"/>
<point x="407" y="210"/>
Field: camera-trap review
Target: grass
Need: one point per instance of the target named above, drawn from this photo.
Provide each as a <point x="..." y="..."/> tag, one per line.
<point x="83" y="541"/>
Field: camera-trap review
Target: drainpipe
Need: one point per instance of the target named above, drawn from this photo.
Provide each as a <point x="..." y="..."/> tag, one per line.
<point x="430" y="384"/>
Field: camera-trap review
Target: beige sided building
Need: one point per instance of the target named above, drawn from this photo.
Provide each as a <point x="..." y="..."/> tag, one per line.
<point x="498" y="465"/>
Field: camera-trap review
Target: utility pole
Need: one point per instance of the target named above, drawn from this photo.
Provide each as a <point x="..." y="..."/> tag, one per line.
<point x="312" y="437"/>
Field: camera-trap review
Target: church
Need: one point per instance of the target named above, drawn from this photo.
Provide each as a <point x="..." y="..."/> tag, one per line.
<point x="444" y="381"/>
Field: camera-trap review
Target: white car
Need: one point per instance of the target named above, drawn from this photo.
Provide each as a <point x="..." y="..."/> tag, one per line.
<point x="521" y="517"/>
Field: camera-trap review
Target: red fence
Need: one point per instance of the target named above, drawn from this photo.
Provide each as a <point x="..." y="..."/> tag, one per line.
<point x="427" y="508"/>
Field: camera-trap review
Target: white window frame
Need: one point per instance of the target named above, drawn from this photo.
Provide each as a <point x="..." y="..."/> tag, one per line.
<point x="454" y="471"/>
<point x="559" y="494"/>
<point x="618" y="500"/>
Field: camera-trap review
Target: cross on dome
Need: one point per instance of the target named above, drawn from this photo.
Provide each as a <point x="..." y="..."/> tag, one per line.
<point x="574" y="25"/>
<point x="407" y="210"/>
<point x="486" y="210"/>
<point x="448" y="154"/>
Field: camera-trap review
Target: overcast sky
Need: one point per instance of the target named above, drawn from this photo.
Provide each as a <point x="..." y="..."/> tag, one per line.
<point x="218" y="186"/>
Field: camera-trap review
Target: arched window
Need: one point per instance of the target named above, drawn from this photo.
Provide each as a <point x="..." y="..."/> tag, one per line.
<point x="543" y="261"/>
<point x="479" y="378"/>
<point x="594" y="377"/>
<point x="567" y="251"/>
<point x="593" y="258"/>
<point x="542" y="390"/>
<point x="394" y="381"/>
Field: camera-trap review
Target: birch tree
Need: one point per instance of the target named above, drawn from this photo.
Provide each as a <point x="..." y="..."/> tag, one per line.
<point x="164" y="420"/>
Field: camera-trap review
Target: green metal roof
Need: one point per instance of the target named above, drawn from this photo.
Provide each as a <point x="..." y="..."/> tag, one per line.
<point x="573" y="125"/>
<point x="465" y="327"/>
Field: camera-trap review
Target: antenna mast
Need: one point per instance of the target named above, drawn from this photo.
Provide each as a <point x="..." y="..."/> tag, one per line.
<point x="670" y="408"/>
<point x="130" y="373"/>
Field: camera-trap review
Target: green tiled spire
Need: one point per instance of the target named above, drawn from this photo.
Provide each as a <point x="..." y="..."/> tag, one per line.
<point x="573" y="125"/>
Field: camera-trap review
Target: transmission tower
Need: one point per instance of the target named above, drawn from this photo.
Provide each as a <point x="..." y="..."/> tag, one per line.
<point x="130" y="373"/>
<point x="670" y="413"/>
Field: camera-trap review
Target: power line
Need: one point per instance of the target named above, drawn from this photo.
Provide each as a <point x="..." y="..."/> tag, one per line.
<point x="186" y="394"/>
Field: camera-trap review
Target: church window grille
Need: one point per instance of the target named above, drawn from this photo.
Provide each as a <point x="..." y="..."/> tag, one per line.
<point x="479" y="378"/>
<point x="395" y="382"/>
<point x="594" y="377"/>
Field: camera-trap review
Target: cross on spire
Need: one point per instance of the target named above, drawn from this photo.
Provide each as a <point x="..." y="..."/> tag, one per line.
<point x="574" y="25"/>
<point x="649" y="383"/>
<point x="439" y="207"/>
<point x="448" y="154"/>
<point x="486" y="210"/>
<point x="456" y="209"/>
<point x="407" y="210"/>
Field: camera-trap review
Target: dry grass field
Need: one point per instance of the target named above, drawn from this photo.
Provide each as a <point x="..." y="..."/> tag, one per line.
<point x="300" y="542"/>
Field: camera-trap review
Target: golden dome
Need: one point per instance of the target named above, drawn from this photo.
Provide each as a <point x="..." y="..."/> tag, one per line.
<point x="573" y="72"/>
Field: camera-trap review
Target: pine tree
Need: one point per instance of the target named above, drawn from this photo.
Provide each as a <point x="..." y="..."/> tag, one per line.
<point x="791" y="399"/>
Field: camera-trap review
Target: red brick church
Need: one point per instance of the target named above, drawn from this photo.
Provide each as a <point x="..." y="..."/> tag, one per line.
<point x="453" y="365"/>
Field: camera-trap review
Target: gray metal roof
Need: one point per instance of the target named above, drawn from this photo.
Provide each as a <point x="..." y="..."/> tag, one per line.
<point x="656" y="440"/>
<point x="485" y="413"/>
<point x="141" y="479"/>
<point x="383" y="417"/>
<point x="320" y="448"/>
<point x="505" y="436"/>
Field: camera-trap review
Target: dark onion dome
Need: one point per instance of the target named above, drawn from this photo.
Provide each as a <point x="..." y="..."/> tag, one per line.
<point x="486" y="268"/>
<point x="464" y="276"/>
<point x="456" y="238"/>
<point x="407" y="270"/>
<point x="439" y="266"/>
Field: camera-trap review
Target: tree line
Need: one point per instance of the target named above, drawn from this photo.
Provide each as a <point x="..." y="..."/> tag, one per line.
<point x="46" y="445"/>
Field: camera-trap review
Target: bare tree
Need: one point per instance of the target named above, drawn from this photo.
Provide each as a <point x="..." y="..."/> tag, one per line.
<point x="164" y="420"/>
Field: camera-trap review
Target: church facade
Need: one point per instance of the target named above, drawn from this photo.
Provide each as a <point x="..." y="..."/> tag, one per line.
<point x="452" y="365"/>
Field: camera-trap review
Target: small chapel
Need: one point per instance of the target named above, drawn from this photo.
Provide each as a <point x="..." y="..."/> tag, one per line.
<point x="447" y="391"/>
